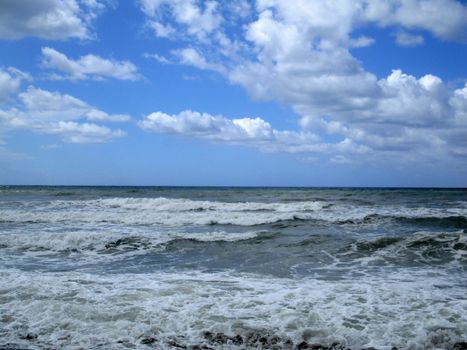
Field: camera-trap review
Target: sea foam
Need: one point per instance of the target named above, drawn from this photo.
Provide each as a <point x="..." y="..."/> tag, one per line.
<point x="79" y="310"/>
<point x="177" y="212"/>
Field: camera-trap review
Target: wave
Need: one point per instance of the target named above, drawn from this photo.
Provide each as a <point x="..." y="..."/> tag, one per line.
<point x="422" y="247"/>
<point x="159" y="211"/>
<point x="64" y="194"/>
<point x="183" y="205"/>
<point x="178" y="212"/>
<point x="109" y="242"/>
<point x="454" y="221"/>
<point x="448" y="221"/>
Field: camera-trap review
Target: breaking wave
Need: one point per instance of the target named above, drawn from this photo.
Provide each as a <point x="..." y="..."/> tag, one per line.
<point x="110" y="242"/>
<point x="177" y="212"/>
<point x="454" y="221"/>
<point x="80" y="310"/>
<point x="422" y="247"/>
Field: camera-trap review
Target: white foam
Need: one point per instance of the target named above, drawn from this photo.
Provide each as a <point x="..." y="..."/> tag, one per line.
<point x="93" y="242"/>
<point x="177" y="212"/>
<point x="444" y="249"/>
<point x="173" y="212"/>
<point x="412" y="310"/>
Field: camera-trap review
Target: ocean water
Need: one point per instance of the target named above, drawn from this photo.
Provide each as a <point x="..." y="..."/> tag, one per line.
<point x="155" y="267"/>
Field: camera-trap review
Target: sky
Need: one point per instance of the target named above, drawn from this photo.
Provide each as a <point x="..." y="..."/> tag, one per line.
<point x="234" y="93"/>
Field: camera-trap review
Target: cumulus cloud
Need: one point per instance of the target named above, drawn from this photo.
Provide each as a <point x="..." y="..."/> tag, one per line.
<point x="362" y="41"/>
<point x="199" y="21"/>
<point x="48" y="19"/>
<point x="70" y="131"/>
<point x="445" y="19"/>
<point x="249" y="132"/>
<point x="414" y="116"/>
<point x="48" y="112"/>
<point x="52" y="106"/>
<point x="10" y="81"/>
<point x="87" y="67"/>
<point x="406" y="39"/>
<point x="74" y="132"/>
<point x="207" y="126"/>
<point x="301" y="56"/>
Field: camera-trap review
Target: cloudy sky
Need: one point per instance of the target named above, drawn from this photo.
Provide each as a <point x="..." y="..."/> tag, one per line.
<point x="265" y="92"/>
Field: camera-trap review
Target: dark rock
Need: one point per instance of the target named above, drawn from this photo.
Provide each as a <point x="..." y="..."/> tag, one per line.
<point x="237" y="340"/>
<point x="174" y="344"/>
<point x="251" y="338"/>
<point x="114" y="244"/>
<point x="460" y="346"/>
<point x="303" y="345"/>
<point x="208" y="335"/>
<point x="148" y="340"/>
<point x="266" y="340"/>
<point x="201" y="347"/>
<point x="334" y="346"/>
<point x="221" y="338"/>
<point x="274" y="340"/>
<point x="256" y="339"/>
<point x="10" y="346"/>
<point x="29" y="336"/>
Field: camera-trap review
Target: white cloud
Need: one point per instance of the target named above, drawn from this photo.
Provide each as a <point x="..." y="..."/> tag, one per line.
<point x="49" y="112"/>
<point x="74" y="132"/>
<point x="207" y="126"/>
<point x="362" y="41"/>
<point x="199" y="21"/>
<point x="48" y="19"/>
<point x="301" y="56"/>
<point x="241" y="8"/>
<point x="98" y="115"/>
<point x="158" y="58"/>
<point x="8" y="85"/>
<point x="446" y="19"/>
<point x="70" y="131"/>
<point x="54" y="106"/>
<point x="192" y="57"/>
<point x="458" y="102"/>
<point x="162" y="31"/>
<point x="249" y="132"/>
<point x="88" y="67"/>
<point x="406" y="39"/>
<point x="10" y="82"/>
<point x="412" y="102"/>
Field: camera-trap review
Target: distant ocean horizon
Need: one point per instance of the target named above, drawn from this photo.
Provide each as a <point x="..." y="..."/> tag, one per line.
<point x="232" y="267"/>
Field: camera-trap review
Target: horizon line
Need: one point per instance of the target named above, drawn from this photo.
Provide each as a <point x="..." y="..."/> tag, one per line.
<point x="242" y="186"/>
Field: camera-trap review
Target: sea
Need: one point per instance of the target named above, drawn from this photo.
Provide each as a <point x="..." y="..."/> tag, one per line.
<point x="232" y="268"/>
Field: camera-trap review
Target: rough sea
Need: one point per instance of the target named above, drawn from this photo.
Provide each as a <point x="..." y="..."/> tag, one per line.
<point x="232" y="268"/>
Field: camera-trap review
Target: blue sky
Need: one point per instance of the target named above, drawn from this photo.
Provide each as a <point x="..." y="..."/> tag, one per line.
<point x="237" y="93"/>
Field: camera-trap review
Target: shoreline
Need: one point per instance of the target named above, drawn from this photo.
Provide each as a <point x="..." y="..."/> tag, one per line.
<point x="213" y="341"/>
